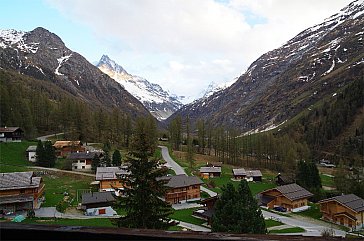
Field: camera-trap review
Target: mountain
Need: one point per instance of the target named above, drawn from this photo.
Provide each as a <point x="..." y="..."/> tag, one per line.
<point x="282" y="83"/>
<point x="158" y="101"/>
<point x="43" y="55"/>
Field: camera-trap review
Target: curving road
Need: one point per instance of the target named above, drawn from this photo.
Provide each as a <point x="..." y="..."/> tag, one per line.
<point x="312" y="228"/>
<point x="179" y="170"/>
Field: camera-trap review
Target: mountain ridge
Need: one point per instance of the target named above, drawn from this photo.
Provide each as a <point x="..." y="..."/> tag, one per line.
<point x="159" y="102"/>
<point x="284" y="81"/>
<point x="43" y="55"/>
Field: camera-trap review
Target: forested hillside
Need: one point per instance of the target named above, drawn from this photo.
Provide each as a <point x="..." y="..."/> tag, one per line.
<point x="41" y="107"/>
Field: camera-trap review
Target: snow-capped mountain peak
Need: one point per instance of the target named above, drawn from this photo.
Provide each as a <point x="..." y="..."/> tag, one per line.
<point x="159" y="102"/>
<point x="111" y="64"/>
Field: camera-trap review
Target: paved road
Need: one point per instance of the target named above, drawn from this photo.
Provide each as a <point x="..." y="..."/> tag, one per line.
<point x="193" y="227"/>
<point x="64" y="171"/>
<point x="45" y="138"/>
<point x="51" y="212"/>
<point x="312" y="229"/>
<point x="178" y="169"/>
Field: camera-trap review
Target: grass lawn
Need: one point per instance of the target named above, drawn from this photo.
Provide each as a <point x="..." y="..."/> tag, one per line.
<point x="56" y="184"/>
<point x="288" y="230"/>
<point x="327" y="181"/>
<point x="175" y="228"/>
<point x="95" y="222"/>
<point x="14" y="152"/>
<point x="272" y="223"/>
<point x="185" y="215"/>
<point x="313" y="212"/>
<point x="8" y="168"/>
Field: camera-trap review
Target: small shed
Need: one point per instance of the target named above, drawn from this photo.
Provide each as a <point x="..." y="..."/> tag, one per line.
<point x="207" y="172"/>
<point x="98" y="203"/>
<point x="31" y="153"/>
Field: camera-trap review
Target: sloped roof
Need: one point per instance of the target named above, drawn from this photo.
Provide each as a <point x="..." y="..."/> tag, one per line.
<point x="294" y="191"/>
<point x="350" y="200"/>
<point x="32" y="148"/>
<point x="182" y="181"/>
<point x="97" y="197"/>
<point x="18" y="180"/>
<point x="210" y="169"/>
<point x="81" y="155"/>
<point x="239" y="172"/>
<point x="110" y="173"/>
<point x="254" y="173"/>
<point x="61" y="144"/>
<point x="9" y="129"/>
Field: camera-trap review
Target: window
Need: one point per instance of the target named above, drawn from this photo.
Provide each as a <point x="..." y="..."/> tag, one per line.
<point x="83" y="167"/>
<point x="102" y="211"/>
<point x="75" y="167"/>
<point x="22" y="191"/>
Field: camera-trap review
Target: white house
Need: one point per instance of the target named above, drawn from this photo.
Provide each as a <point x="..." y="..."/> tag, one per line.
<point x="81" y="161"/>
<point x="31" y="151"/>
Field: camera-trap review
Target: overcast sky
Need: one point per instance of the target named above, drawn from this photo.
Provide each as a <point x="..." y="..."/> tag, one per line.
<point x="183" y="45"/>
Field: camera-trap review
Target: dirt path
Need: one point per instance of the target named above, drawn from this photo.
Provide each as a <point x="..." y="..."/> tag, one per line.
<point x="63" y="171"/>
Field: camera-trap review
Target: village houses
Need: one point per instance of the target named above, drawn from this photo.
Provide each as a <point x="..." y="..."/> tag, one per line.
<point x="347" y="210"/>
<point x="20" y="191"/>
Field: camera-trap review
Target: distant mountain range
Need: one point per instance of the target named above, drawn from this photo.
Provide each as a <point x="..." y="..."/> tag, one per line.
<point x="280" y="84"/>
<point x="43" y="55"/>
<point x="159" y="102"/>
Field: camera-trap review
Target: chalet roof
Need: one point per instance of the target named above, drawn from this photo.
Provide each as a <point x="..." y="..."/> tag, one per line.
<point x="110" y="173"/>
<point x="97" y="197"/>
<point x="61" y="144"/>
<point x="18" y="180"/>
<point x="350" y="200"/>
<point x="294" y="191"/>
<point x="210" y="169"/>
<point x="182" y="181"/>
<point x="254" y="173"/>
<point x="214" y="164"/>
<point x="239" y="172"/>
<point x="31" y="148"/>
<point x="81" y="155"/>
<point x="9" y="129"/>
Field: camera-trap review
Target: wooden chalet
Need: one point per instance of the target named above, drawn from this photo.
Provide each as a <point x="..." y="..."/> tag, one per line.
<point x="291" y="196"/>
<point x="11" y="134"/>
<point x="208" y="172"/>
<point x="82" y="161"/>
<point x="284" y="180"/>
<point x="347" y="210"/>
<point x="250" y="175"/>
<point x="182" y="188"/>
<point x="64" y="148"/>
<point x="214" y="164"/>
<point x="20" y="191"/>
<point x="109" y="178"/>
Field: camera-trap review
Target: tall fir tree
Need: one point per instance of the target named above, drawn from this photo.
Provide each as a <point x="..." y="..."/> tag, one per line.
<point x="144" y="185"/>
<point x="95" y="163"/>
<point x="50" y="155"/>
<point x="40" y="155"/>
<point x="237" y="211"/>
<point x="116" y="158"/>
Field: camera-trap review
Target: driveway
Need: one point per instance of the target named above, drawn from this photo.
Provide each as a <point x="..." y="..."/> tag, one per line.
<point x="51" y="212"/>
<point x="45" y="138"/>
<point x="179" y="170"/>
<point x="313" y="228"/>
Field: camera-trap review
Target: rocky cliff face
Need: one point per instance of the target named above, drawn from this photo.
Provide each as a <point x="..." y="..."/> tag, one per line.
<point x="43" y="55"/>
<point x="159" y="102"/>
<point x="281" y="83"/>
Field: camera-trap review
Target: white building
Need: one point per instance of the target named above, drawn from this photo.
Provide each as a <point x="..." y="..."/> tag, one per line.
<point x="31" y="153"/>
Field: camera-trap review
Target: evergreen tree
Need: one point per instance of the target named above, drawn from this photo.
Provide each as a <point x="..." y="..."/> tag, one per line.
<point x="116" y="158"/>
<point x="50" y="154"/>
<point x="237" y="211"/>
<point x="143" y="186"/>
<point x="40" y="155"/>
<point x="95" y="162"/>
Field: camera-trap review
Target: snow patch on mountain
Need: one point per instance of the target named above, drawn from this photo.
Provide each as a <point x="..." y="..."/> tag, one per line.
<point x="159" y="102"/>
<point x="11" y="37"/>
<point x="61" y="61"/>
